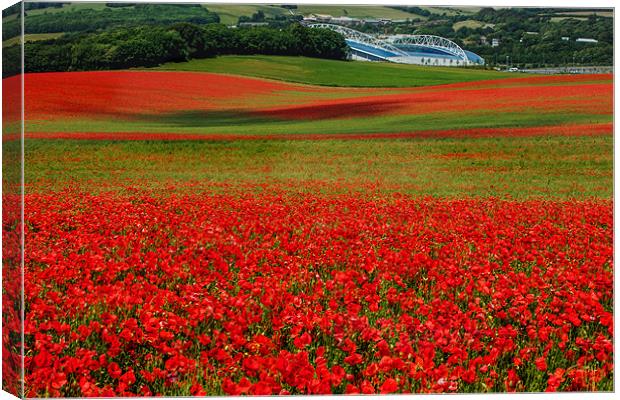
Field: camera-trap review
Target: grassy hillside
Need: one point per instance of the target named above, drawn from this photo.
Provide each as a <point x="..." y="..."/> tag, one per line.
<point x="449" y="11"/>
<point x="608" y="14"/>
<point x="92" y="17"/>
<point x="471" y="24"/>
<point x="354" y="11"/>
<point x="69" y="7"/>
<point x="334" y="73"/>
<point x="229" y="14"/>
<point x="31" y="37"/>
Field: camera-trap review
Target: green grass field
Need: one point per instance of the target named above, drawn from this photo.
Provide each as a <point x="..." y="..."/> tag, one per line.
<point x="557" y="167"/>
<point x="31" y="37"/>
<point x="560" y="19"/>
<point x="355" y="11"/>
<point x="71" y="7"/>
<point x="451" y="10"/>
<point x="316" y="71"/>
<point x="239" y="123"/>
<point x="471" y="24"/>
<point x="229" y="14"/>
<point x="608" y="14"/>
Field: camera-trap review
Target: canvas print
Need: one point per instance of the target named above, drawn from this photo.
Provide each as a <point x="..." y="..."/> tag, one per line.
<point x="295" y="199"/>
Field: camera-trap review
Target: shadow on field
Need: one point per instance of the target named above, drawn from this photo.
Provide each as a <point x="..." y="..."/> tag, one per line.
<point x="201" y="118"/>
<point x="227" y="118"/>
<point x="344" y="109"/>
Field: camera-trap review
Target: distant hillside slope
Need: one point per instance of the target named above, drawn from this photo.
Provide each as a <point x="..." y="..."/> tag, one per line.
<point x="334" y="73"/>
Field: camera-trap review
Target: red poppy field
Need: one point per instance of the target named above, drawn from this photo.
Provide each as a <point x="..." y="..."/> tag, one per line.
<point x="201" y="234"/>
<point x="281" y="294"/>
<point x="130" y="102"/>
<point x="118" y="94"/>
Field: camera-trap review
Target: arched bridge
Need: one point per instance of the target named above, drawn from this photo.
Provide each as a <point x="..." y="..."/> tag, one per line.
<point x="431" y="42"/>
<point x="359" y="41"/>
<point x="402" y="48"/>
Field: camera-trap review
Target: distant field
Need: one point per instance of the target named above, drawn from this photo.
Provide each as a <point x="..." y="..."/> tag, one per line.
<point x="334" y="73"/>
<point x="470" y="23"/>
<point x="451" y="10"/>
<point x="70" y="7"/>
<point x="587" y="13"/>
<point x="558" y="19"/>
<point x="31" y="37"/>
<point x="581" y="15"/>
<point x="355" y="11"/>
<point x="229" y="14"/>
<point x="9" y="18"/>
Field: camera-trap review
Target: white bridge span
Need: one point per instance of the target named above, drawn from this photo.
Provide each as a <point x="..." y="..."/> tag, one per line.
<point x="431" y="42"/>
<point x="395" y="47"/>
<point x="362" y="38"/>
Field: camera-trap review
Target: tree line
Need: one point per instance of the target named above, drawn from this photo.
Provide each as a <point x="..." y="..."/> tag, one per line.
<point x="148" y="46"/>
<point x="539" y="42"/>
<point x="17" y="7"/>
<point x="276" y="21"/>
<point x="122" y="15"/>
<point x="528" y="37"/>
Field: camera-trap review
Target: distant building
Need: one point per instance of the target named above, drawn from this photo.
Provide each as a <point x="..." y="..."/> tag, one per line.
<point x="495" y="43"/>
<point x="565" y="38"/>
<point x="251" y="24"/>
<point x="531" y="33"/>
<point x="372" y="21"/>
<point x="586" y="40"/>
<point x="483" y="41"/>
<point x="344" y="20"/>
<point x="322" y="17"/>
<point x="405" y="49"/>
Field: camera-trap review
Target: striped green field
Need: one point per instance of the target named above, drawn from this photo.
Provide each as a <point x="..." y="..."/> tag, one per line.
<point x="334" y="73"/>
